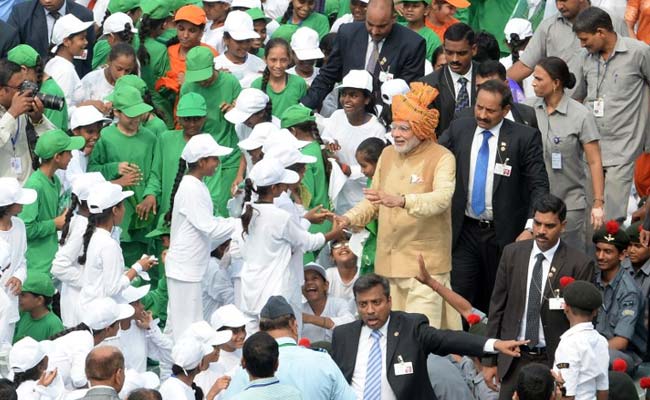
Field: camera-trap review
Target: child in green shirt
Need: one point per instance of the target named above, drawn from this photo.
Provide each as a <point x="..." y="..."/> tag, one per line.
<point x="259" y="25"/>
<point x="301" y="12"/>
<point x="415" y="13"/>
<point x="150" y="120"/>
<point x="43" y="218"/>
<point x="36" y="319"/>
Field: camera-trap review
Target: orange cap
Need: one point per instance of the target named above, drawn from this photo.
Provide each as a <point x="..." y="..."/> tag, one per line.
<point x="459" y="3"/>
<point x="191" y="13"/>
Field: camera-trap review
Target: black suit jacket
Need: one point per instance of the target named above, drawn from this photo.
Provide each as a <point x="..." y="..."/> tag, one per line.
<point x="445" y="103"/>
<point x="522" y="113"/>
<point x="509" y="296"/>
<point x="29" y="19"/>
<point x="402" y="55"/>
<point x="411" y="338"/>
<point x="512" y="196"/>
<point x="8" y="38"/>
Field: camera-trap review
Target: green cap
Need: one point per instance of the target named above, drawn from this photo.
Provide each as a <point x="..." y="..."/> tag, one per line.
<point x="124" y="6"/>
<point x="295" y="115"/>
<point x="23" y="54"/>
<point x="634" y="232"/>
<point x="39" y="283"/>
<point x="200" y="64"/>
<point x="129" y="101"/>
<point x="133" y="81"/>
<point x="155" y="9"/>
<point x="176" y="4"/>
<point x="285" y="32"/>
<point x="583" y="295"/>
<point x="192" y="105"/>
<point x="257" y="13"/>
<point x="53" y="142"/>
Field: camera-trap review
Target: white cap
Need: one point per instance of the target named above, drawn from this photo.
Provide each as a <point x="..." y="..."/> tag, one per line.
<point x="522" y="27"/>
<point x="116" y="22"/>
<point x="282" y="138"/>
<point x="239" y="25"/>
<point x="188" y="352"/>
<point x="248" y="102"/>
<point x="201" y="146"/>
<point x="204" y="333"/>
<point x="312" y="266"/>
<point x="246" y="4"/>
<point x="86" y="115"/>
<point x="228" y="316"/>
<point x="5" y="254"/>
<point x="27" y="353"/>
<point x="357" y="79"/>
<point x="132" y="293"/>
<point x="67" y="26"/>
<point x="269" y="171"/>
<point x="103" y="312"/>
<point x="104" y="196"/>
<point x="258" y="136"/>
<point x="12" y="192"/>
<point x="135" y="380"/>
<point x="288" y="155"/>
<point x="83" y="183"/>
<point x="392" y="88"/>
<point x="305" y="44"/>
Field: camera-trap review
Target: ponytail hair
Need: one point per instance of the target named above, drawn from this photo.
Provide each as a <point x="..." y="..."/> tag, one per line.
<point x="287" y="14"/>
<point x="93" y="221"/>
<point x="80" y="327"/>
<point x="68" y="216"/>
<point x="275" y="42"/>
<point x="247" y="215"/>
<point x="32" y="374"/>
<point x="182" y="167"/>
<point x="178" y="370"/>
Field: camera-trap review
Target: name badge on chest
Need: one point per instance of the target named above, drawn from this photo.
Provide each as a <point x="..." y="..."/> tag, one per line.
<point x="556" y="160"/>
<point x="16" y="165"/>
<point x="403" y="368"/>
<point x="599" y="107"/>
<point x="556" y="303"/>
<point x="502" y="169"/>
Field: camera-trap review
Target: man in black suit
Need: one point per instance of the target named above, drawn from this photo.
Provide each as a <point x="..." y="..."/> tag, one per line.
<point x="34" y="20"/>
<point x="384" y="355"/>
<point x="455" y="81"/>
<point x="8" y="38"/>
<point x="519" y="113"/>
<point x="499" y="172"/>
<point x="526" y="299"/>
<point x="382" y="47"/>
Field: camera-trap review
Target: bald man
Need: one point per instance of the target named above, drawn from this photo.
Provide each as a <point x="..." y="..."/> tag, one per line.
<point x="381" y="46"/>
<point x="105" y="373"/>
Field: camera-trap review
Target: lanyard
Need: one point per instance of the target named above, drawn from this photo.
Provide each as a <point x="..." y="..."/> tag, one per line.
<point x="14" y="138"/>
<point x="599" y="82"/>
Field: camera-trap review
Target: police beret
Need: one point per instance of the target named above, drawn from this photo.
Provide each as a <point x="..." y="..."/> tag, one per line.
<point x="583" y="295"/>
<point x="633" y="232"/>
<point x="612" y="233"/>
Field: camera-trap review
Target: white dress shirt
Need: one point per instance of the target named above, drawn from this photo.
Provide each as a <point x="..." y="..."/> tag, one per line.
<point x="338" y="310"/>
<point x="360" y="367"/>
<point x="546" y="266"/>
<point x="468" y="76"/>
<point x="476" y="146"/>
<point x="49" y="19"/>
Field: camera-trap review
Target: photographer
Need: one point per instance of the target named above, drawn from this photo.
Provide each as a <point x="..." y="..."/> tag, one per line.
<point x="21" y="120"/>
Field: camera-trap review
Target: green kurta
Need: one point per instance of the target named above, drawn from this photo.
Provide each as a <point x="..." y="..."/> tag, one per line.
<point x="432" y="40"/>
<point x="39" y="222"/>
<point x="295" y="89"/>
<point x="344" y="8"/>
<point x="492" y="16"/>
<point x="225" y="89"/>
<point x="315" y="181"/>
<point x="150" y="73"/>
<point x="370" y="246"/>
<point x="56" y="117"/>
<point x="38" y="329"/>
<point x="102" y="49"/>
<point x="156" y="300"/>
<point x="155" y="125"/>
<point x="315" y="21"/>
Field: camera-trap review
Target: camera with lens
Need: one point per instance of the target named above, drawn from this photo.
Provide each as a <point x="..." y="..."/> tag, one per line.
<point x="49" y="101"/>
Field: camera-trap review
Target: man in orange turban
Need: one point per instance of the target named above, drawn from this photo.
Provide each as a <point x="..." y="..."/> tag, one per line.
<point x="411" y="196"/>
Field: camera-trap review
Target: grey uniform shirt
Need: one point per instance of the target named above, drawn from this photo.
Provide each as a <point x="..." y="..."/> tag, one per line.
<point x="622" y="84"/>
<point x="564" y="132"/>
<point x="621" y="310"/>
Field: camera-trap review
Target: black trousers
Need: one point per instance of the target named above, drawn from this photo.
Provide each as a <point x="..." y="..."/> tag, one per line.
<point x="475" y="260"/>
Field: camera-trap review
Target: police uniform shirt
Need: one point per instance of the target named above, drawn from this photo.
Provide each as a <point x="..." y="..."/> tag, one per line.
<point x="641" y="276"/>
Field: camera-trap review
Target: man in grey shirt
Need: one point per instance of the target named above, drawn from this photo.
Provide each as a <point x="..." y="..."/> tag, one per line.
<point x="613" y="82"/>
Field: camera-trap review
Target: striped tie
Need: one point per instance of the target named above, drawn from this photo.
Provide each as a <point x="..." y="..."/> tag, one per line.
<point x="372" y="390"/>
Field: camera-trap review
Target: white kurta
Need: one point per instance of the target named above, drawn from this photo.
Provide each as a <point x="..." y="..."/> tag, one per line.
<point x="245" y="73"/>
<point x="337" y="287"/>
<point x="93" y="86"/>
<point x="309" y="79"/>
<point x="17" y="240"/>
<point x="63" y="72"/>
<point x="174" y="389"/>
<point x="69" y="357"/>
<point x="139" y="344"/>
<point x="76" y="167"/>
<point x="338" y="310"/>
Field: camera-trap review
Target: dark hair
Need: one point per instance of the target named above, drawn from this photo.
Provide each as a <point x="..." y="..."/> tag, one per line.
<point x="47" y="300"/>
<point x="311" y="127"/>
<point x="261" y="354"/>
<point x="327" y="43"/>
<point x="281" y="322"/>
<point x="148" y="26"/>
<point x="8" y="390"/>
<point x="558" y="70"/>
<point x="497" y="87"/>
<point x="100" y="367"/>
<point x="581" y="312"/>
<point x="93" y="221"/>
<point x="535" y="382"/>
<point x="436" y="53"/>
<point x="178" y="370"/>
<point x="276" y="42"/>
<point x="591" y="19"/>
<point x="287" y="14"/>
<point x="32" y="374"/>
<point x="4" y="210"/>
<point x="459" y="32"/>
<point x="549" y="203"/>
<point x="491" y="67"/>
<point x="144" y="394"/>
<point x="371" y="149"/>
<point x="74" y="202"/>
<point x="516" y="44"/>
<point x="247" y="215"/>
<point x="80" y="327"/>
<point x="487" y="47"/>
<point x="125" y="36"/>
<point x="182" y="167"/>
<point x="369" y="281"/>
<point x="49" y="49"/>
<point x="121" y="49"/>
<point x="370" y="108"/>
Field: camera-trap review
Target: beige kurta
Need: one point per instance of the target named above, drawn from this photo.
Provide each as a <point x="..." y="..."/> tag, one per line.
<point x="426" y="177"/>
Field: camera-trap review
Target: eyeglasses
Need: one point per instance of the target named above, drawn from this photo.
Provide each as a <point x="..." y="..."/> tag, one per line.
<point x="400" y="127"/>
<point x="339" y="245"/>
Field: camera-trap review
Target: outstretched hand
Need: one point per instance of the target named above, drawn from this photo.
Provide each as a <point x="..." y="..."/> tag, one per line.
<point x="510" y="347"/>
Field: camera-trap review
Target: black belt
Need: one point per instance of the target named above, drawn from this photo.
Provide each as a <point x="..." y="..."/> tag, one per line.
<point x="533" y="350"/>
<point x="481" y="223"/>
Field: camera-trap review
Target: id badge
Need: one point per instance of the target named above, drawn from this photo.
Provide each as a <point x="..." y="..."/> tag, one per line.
<point x="599" y="107"/>
<point x="385" y="76"/>
<point x="403" y="368"/>
<point x="502" y="169"/>
<point x="83" y="55"/>
<point x="556" y="303"/>
<point x="16" y="165"/>
<point x="556" y="160"/>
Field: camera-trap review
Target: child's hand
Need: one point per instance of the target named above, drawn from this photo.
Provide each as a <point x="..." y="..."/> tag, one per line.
<point x="130" y="179"/>
<point x="146" y="206"/>
<point x="14" y="285"/>
<point x="147" y="262"/>
<point x="143" y="320"/>
<point x="317" y="215"/>
<point x="225" y="107"/>
<point x="126" y="167"/>
<point x="333" y="146"/>
<point x="60" y="220"/>
<point x="47" y="378"/>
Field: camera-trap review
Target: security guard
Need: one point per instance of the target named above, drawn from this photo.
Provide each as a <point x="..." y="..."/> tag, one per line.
<point x="619" y="317"/>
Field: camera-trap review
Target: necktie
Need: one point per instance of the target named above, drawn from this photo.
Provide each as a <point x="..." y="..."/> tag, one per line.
<point x="56" y="15"/>
<point x="462" y="99"/>
<point x="372" y="390"/>
<point x="480" y="176"/>
<point x="534" y="303"/>
<point x="374" y="56"/>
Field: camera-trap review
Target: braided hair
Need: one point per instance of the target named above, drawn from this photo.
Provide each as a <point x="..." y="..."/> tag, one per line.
<point x="287" y="14"/>
<point x="312" y="128"/>
<point x="276" y="42"/>
<point x="80" y="327"/>
<point x="65" y="231"/>
<point x="183" y="166"/>
<point x="247" y="215"/>
<point x="93" y="221"/>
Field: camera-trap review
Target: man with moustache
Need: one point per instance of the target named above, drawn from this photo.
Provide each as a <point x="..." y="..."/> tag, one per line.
<point x="500" y="172"/>
<point x="411" y="197"/>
